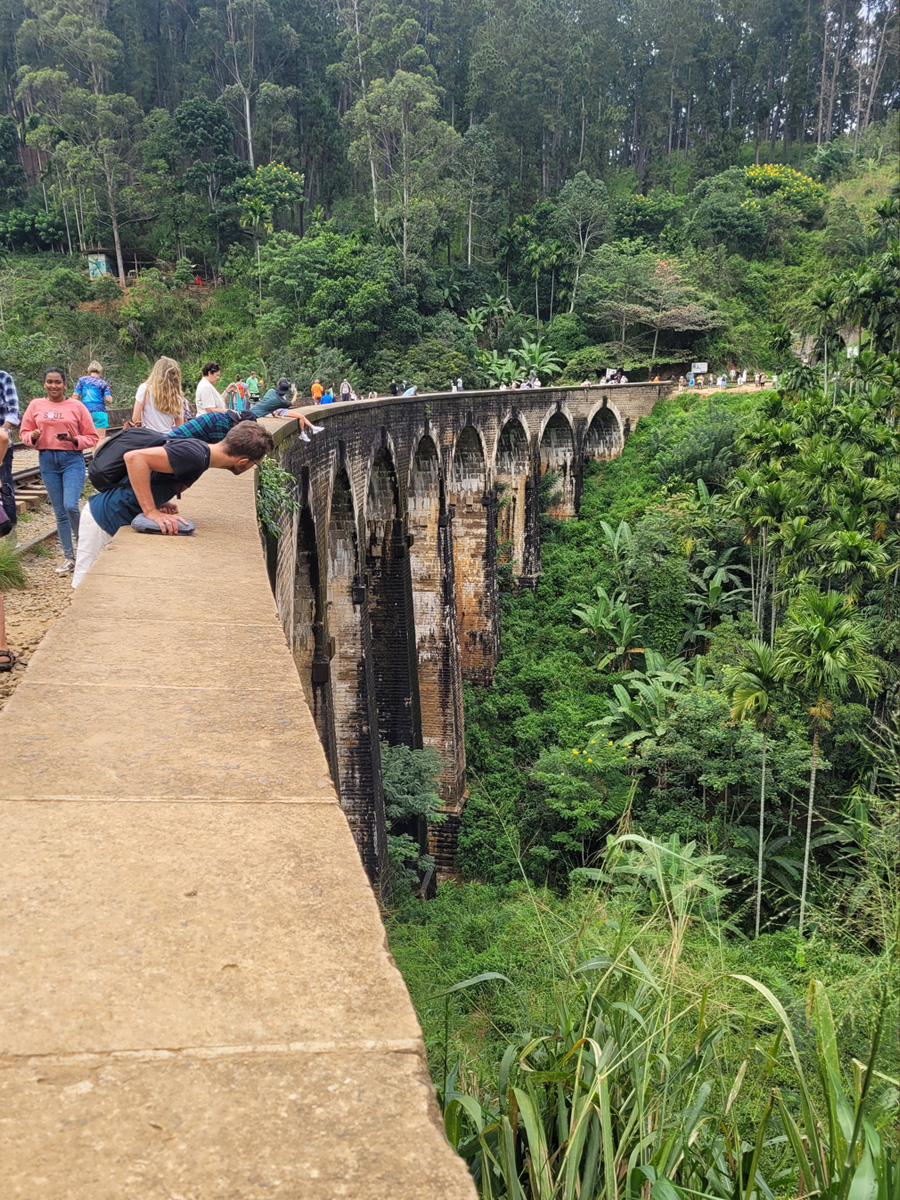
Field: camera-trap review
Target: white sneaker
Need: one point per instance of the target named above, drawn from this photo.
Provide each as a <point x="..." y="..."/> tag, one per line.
<point x="317" y="428"/>
<point x="304" y="436"/>
<point x="67" y="568"/>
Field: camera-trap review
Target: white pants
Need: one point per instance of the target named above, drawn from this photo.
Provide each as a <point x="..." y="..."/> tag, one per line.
<point x="91" y="540"/>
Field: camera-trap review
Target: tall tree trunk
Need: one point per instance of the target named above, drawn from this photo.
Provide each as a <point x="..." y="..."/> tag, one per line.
<point x="575" y="285"/>
<point x="249" y="130"/>
<point x="835" y="72"/>
<point x="113" y="216"/>
<point x="362" y="87"/>
<point x="859" y="76"/>
<point x="469" y="232"/>
<point x="809" y="817"/>
<point x="880" y="59"/>
<point x="752" y="584"/>
<point x="762" y="827"/>
<point x="823" y="78"/>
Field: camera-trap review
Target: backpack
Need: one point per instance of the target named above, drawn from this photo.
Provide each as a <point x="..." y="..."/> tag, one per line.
<point x="107" y="469"/>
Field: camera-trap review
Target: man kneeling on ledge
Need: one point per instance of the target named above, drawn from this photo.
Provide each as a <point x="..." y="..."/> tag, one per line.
<point x="155" y="476"/>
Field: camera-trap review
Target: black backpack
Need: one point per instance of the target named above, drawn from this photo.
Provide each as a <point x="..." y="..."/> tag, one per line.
<point x="107" y="469"/>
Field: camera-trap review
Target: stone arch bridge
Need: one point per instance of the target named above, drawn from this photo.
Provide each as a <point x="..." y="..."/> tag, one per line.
<point x="386" y="578"/>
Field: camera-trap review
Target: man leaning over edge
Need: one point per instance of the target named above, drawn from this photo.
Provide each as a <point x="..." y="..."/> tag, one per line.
<point x="155" y="476"/>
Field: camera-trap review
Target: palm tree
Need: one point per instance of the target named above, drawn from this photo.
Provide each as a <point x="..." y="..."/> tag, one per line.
<point x="776" y="502"/>
<point x="535" y="261"/>
<point x="256" y="215"/>
<point x="824" y="315"/>
<point x="508" y="241"/>
<point x="823" y="652"/>
<point x="780" y="341"/>
<point x="800" y="380"/>
<point x="556" y="253"/>
<point x="752" y="687"/>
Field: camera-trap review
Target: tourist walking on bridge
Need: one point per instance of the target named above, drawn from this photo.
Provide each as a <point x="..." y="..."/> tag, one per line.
<point x="61" y="429"/>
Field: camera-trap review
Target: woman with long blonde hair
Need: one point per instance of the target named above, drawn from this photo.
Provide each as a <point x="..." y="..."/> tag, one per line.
<point x="159" y="403"/>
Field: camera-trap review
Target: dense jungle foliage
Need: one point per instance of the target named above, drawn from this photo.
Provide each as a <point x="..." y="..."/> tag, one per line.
<point x="682" y="832"/>
<point x="382" y="191"/>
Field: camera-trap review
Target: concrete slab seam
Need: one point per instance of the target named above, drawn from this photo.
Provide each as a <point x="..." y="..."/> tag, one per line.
<point x="93" y="1059"/>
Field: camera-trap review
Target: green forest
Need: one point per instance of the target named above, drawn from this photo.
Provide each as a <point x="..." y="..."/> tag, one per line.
<point x="667" y="965"/>
<point x="377" y="191"/>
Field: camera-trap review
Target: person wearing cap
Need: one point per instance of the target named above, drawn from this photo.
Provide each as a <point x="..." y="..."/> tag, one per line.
<point x="277" y="402"/>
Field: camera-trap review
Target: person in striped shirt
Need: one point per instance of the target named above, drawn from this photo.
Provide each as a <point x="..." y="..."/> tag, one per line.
<point x="9" y="416"/>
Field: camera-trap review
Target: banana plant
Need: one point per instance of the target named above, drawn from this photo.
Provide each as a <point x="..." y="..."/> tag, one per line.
<point x="610" y="620"/>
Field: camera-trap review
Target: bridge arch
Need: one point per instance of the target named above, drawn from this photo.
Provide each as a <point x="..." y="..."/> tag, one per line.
<point x="412" y="482"/>
<point x="307" y="637"/>
<point x="604" y="433"/>
<point x="356" y="767"/>
<point x="389" y="596"/>
<point x="474" y="557"/>
<point x="556" y="454"/>
<point x="434" y="618"/>
<point x="514" y="487"/>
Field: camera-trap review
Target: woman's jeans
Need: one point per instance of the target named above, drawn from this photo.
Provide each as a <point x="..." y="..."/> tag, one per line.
<point x="63" y="474"/>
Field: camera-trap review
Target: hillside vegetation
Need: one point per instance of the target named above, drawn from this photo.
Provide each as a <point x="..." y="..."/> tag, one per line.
<point x="682" y="830"/>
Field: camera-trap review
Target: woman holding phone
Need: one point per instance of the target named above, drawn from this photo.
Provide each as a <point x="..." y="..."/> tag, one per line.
<point x="61" y="429"/>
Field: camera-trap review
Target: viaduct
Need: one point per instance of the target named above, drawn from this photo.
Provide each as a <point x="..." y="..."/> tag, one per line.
<point x="386" y="576"/>
<point x="198" y="1000"/>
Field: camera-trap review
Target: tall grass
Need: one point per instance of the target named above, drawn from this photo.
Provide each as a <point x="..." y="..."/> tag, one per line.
<point x="649" y="1084"/>
<point x="12" y="574"/>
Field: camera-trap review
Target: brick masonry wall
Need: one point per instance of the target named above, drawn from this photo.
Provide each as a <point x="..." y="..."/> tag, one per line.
<point x="386" y="582"/>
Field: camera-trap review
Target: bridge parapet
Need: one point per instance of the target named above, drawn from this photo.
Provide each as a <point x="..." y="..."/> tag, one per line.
<point x="197" y="997"/>
<point x="410" y="504"/>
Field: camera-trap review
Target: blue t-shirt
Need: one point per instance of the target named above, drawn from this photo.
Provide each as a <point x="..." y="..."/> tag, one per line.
<point x="188" y="457"/>
<point x="327" y="398"/>
<point x="91" y="390"/>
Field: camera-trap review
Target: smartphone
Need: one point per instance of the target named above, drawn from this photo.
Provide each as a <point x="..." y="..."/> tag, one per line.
<point x="63" y="437"/>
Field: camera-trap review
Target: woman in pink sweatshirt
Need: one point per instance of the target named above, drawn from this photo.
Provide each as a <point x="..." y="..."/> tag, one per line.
<point x="61" y="429"/>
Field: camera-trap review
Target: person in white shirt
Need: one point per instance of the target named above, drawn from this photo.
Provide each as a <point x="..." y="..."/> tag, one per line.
<point x="206" y="397"/>
<point x="159" y="403"/>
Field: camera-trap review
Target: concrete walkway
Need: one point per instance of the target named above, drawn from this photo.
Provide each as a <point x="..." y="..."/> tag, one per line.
<point x="197" y="1001"/>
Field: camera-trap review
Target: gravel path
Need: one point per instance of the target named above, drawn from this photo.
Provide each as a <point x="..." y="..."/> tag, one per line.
<point x="30" y="613"/>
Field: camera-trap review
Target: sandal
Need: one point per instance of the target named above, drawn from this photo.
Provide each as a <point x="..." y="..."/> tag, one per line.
<point x="10" y="662"/>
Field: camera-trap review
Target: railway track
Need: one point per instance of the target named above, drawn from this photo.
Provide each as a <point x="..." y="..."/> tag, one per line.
<point x="30" y="490"/>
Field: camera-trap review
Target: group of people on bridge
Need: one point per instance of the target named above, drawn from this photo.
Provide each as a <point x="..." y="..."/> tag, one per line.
<point x="138" y="474"/>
